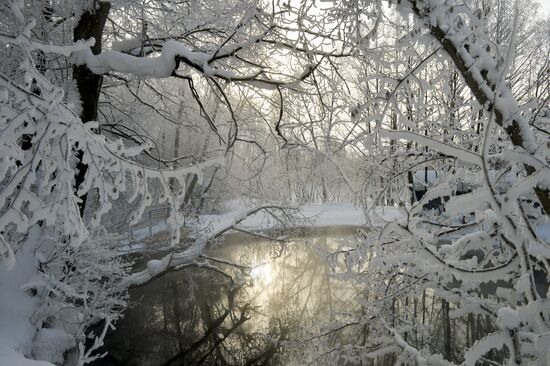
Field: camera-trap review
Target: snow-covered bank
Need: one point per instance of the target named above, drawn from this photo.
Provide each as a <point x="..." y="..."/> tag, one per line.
<point x="308" y="215"/>
<point x="16" y="310"/>
<point x="311" y="215"/>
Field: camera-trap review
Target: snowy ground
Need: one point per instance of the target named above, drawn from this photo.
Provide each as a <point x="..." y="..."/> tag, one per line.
<point x="308" y="215"/>
<point x="16" y="308"/>
<point x="314" y="215"/>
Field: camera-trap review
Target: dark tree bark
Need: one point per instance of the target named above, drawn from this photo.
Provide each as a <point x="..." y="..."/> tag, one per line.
<point x="91" y="24"/>
<point x="447" y="351"/>
<point x="410" y="180"/>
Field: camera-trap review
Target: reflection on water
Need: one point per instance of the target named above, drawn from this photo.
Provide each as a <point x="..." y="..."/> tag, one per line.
<point x="200" y="316"/>
<point x="307" y="302"/>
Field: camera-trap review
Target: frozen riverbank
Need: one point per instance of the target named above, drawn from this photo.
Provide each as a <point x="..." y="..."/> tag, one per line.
<point x="308" y="215"/>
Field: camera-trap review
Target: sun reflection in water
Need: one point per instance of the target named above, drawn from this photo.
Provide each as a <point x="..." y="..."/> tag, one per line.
<point x="262" y="273"/>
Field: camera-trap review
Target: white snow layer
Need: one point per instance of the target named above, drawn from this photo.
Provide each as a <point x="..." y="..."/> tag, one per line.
<point x="16" y="308"/>
<point x="156" y="67"/>
<point x="313" y="214"/>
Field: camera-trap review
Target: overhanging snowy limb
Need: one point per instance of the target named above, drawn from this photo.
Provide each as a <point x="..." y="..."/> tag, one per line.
<point x="195" y="255"/>
<point x="172" y="54"/>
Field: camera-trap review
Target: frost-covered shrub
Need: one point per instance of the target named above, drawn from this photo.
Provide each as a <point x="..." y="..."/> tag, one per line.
<point x="63" y="261"/>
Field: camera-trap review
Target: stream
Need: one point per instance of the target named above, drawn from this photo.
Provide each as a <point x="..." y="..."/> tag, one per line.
<point x="218" y="316"/>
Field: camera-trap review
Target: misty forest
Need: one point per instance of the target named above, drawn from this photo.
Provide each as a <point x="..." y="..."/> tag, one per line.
<point x="274" y="182"/>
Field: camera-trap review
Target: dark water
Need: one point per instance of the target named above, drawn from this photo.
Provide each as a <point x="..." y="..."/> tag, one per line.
<point x="290" y="307"/>
<point x="228" y="316"/>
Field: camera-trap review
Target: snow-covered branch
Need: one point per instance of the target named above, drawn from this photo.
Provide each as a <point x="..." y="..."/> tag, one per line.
<point x="484" y="74"/>
<point x="172" y="54"/>
<point x="194" y="255"/>
<point x="441" y="147"/>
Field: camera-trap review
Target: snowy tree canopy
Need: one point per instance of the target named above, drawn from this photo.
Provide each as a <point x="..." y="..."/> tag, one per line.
<point x="114" y="114"/>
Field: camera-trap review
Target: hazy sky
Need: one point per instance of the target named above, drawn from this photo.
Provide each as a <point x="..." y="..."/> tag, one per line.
<point x="545" y="7"/>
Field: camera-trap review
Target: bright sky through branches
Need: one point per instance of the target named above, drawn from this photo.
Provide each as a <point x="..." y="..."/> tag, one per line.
<point x="545" y="7"/>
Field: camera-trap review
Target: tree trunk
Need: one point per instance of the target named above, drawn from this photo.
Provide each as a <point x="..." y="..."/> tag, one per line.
<point x="446" y="331"/>
<point x="91" y="24"/>
<point x="410" y="180"/>
<point x="177" y="315"/>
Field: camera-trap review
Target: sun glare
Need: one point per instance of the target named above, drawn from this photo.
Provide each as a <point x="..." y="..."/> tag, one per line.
<point x="262" y="273"/>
